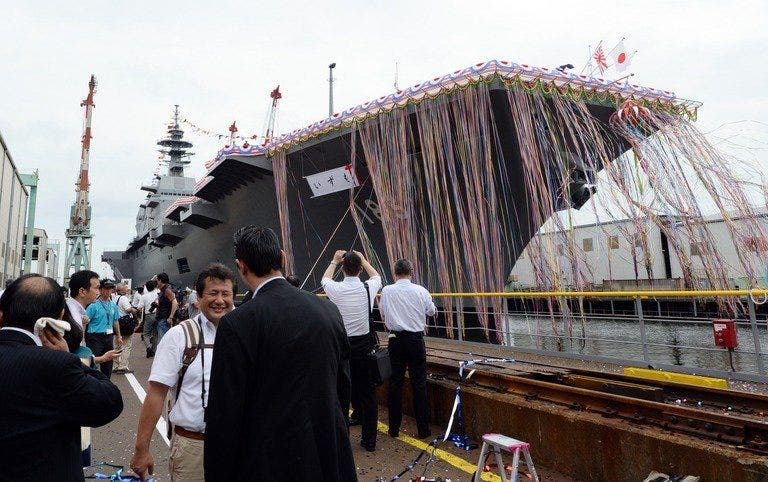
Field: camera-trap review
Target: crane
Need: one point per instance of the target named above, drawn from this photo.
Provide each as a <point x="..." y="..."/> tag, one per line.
<point x="78" y="249"/>
<point x="269" y="128"/>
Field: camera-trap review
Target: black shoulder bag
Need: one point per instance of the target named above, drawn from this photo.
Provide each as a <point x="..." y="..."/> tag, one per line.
<point x="379" y="366"/>
<point x="127" y="322"/>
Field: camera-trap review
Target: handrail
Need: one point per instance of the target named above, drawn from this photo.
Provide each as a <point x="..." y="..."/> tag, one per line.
<point x="601" y="294"/>
<point x="606" y="294"/>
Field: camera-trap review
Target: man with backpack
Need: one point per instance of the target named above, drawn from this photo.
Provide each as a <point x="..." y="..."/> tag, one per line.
<point x="182" y="364"/>
<point x="167" y="304"/>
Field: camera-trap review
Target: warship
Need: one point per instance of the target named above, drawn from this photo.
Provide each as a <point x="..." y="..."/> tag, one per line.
<point x="457" y="173"/>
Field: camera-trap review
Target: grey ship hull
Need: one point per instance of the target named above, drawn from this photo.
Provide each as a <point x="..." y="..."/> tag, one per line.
<point x="254" y="205"/>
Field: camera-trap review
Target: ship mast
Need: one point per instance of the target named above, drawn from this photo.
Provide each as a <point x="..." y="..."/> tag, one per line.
<point x="174" y="147"/>
<point x="78" y="249"/>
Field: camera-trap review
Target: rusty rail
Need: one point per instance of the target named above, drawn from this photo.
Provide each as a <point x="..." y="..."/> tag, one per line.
<point x="633" y="400"/>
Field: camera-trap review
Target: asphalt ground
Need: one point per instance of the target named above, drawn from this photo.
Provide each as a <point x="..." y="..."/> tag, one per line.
<point x="114" y="442"/>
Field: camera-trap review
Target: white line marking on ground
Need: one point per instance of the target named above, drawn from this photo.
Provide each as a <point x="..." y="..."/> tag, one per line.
<point x="162" y="425"/>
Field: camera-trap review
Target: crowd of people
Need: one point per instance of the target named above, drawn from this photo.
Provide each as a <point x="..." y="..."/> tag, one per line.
<point x="248" y="391"/>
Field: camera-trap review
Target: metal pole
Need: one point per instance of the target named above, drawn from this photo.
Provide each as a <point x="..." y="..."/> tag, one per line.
<point x="507" y="324"/>
<point x="460" y="318"/>
<point x="755" y="336"/>
<point x="330" y="89"/>
<point x="639" y="311"/>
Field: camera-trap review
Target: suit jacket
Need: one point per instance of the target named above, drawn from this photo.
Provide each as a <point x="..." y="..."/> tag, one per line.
<point x="45" y="397"/>
<point x="279" y="380"/>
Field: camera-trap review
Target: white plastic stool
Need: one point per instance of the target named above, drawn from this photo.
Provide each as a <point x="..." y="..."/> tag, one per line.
<point x="496" y="443"/>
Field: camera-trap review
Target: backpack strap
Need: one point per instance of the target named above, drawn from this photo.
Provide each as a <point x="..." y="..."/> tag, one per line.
<point x="193" y="344"/>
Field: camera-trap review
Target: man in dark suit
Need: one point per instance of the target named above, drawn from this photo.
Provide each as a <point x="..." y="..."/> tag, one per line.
<point x="47" y="393"/>
<point x="279" y="379"/>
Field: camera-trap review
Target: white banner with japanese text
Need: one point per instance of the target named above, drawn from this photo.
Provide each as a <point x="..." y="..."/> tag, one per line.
<point x="333" y="180"/>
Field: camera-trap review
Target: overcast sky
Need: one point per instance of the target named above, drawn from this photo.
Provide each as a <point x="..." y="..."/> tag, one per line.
<point x="219" y="61"/>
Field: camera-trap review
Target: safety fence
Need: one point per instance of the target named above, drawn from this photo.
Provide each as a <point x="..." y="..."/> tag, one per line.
<point x="581" y="325"/>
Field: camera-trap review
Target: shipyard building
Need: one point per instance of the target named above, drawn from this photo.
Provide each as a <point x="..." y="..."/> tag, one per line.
<point x="613" y="255"/>
<point x="14" y="198"/>
<point x="45" y="254"/>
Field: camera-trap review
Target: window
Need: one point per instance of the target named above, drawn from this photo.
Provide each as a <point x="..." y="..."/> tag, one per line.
<point x="613" y="242"/>
<point x="183" y="265"/>
<point x="756" y="245"/>
<point x="587" y="244"/>
<point x="696" y="249"/>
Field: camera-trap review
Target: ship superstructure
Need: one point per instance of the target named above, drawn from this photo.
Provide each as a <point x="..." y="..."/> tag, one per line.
<point x="153" y="230"/>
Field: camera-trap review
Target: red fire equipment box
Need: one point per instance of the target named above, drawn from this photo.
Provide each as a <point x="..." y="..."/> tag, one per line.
<point x="725" y="333"/>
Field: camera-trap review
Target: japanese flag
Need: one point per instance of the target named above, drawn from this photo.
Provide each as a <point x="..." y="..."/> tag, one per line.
<point x="619" y="57"/>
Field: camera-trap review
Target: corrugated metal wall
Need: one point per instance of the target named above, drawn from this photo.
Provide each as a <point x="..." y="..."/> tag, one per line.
<point x="13" y="213"/>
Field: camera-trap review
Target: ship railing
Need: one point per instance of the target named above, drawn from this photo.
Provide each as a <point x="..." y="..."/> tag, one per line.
<point x="664" y="329"/>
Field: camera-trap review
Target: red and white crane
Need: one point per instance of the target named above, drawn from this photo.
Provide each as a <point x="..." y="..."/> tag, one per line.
<point x="78" y="249"/>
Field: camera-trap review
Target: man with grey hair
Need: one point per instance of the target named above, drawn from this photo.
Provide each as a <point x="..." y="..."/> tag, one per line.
<point x="404" y="307"/>
<point x="125" y="309"/>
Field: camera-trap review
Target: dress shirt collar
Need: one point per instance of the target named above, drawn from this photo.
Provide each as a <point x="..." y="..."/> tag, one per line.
<point x="28" y="333"/>
<point x="205" y="321"/>
<point x="403" y="281"/>
<point x="76" y="310"/>
<point x="265" y="282"/>
<point x="76" y="306"/>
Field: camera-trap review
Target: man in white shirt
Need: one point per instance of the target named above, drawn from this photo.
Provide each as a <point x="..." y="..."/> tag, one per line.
<point x="83" y="290"/>
<point x="404" y="307"/>
<point x="192" y="305"/>
<point x="215" y="287"/>
<point x="355" y="305"/>
<point x="149" y="327"/>
<point x="124" y="307"/>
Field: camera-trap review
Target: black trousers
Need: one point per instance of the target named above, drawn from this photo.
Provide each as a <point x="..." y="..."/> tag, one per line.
<point x="407" y="350"/>
<point x="363" y="387"/>
<point x="100" y="343"/>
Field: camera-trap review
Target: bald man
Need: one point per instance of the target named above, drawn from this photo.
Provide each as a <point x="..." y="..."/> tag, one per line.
<point x="40" y="438"/>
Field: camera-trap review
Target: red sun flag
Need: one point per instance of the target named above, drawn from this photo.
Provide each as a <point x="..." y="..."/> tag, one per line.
<point x="619" y="58"/>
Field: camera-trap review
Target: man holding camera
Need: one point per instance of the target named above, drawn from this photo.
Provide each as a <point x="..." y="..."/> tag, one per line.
<point x="354" y="299"/>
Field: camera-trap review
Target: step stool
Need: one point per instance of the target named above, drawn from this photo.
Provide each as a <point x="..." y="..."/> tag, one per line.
<point x="496" y="443"/>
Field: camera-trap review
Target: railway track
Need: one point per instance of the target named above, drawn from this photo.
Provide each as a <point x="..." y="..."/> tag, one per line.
<point x="734" y="418"/>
